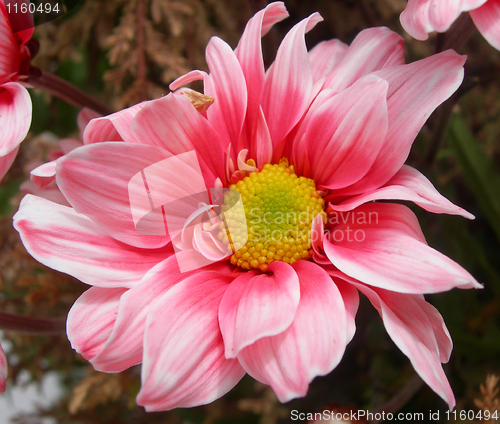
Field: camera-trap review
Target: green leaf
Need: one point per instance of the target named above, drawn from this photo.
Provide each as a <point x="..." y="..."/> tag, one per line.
<point x="478" y="172"/>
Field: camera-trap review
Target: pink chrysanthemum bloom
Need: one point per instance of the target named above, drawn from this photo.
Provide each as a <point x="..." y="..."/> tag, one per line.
<point x="424" y="16"/>
<point x="320" y="134"/>
<point x="15" y="102"/>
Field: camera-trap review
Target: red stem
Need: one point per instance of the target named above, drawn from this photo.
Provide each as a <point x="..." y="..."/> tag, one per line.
<point x="24" y="324"/>
<point x="65" y="91"/>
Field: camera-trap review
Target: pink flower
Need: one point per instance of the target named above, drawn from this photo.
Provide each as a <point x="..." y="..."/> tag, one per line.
<point x="3" y="370"/>
<point x="15" y="102"/>
<point x="424" y="16"/>
<point x="332" y="126"/>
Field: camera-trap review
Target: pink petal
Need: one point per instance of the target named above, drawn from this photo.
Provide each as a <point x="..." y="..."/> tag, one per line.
<point x="345" y="133"/>
<point x="91" y="320"/>
<point x="258" y="305"/>
<point x="10" y="59"/>
<point x="124" y="346"/>
<point x="61" y="239"/>
<point x="261" y="147"/>
<point x="407" y="184"/>
<point x="22" y="23"/>
<point x="6" y="162"/>
<point x="487" y="20"/>
<point x="381" y="244"/>
<point x="443" y="338"/>
<point x="249" y="54"/>
<point x="415" y="90"/>
<point x="114" y="127"/>
<point x="442" y="14"/>
<point x="411" y="327"/>
<point x="372" y="49"/>
<point x="173" y="124"/>
<point x="288" y="86"/>
<point x="95" y="180"/>
<point x="229" y="90"/>
<point x="84" y="117"/>
<point x="313" y="345"/>
<point x="15" y="116"/>
<point x="43" y="175"/>
<point x="324" y="56"/>
<point x="3" y="370"/>
<point x="415" y="19"/>
<point x="184" y="363"/>
<point x="187" y="78"/>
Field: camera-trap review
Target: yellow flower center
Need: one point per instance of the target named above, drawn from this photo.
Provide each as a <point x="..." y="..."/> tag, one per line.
<point x="279" y="209"/>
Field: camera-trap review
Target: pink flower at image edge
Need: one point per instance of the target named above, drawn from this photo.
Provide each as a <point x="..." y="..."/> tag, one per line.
<point x="424" y="16"/>
<point x="334" y="125"/>
<point x="15" y="102"/>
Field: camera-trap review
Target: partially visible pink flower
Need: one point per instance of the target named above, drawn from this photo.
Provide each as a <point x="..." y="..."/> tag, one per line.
<point x="324" y="132"/>
<point x="424" y="16"/>
<point x="3" y="370"/>
<point x="15" y="102"/>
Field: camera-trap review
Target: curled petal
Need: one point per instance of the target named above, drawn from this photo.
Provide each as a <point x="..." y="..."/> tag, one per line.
<point x="288" y="86"/>
<point x="407" y="184"/>
<point x="114" y="127"/>
<point x="183" y="362"/>
<point x="258" y="305"/>
<point x="84" y="117"/>
<point x="187" y="78"/>
<point x="249" y="54"/>
<point x="43" y="175"/>
<point x="420" y="335"/>
<point x="313" y="345"/>
<point x="91" y="320"/>
<point x="381" y="245"/>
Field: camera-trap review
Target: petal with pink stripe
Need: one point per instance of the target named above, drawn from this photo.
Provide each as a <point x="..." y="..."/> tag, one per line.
<point x="66" y="241"/>
<point x="183" y="361"/>
<point x="313" y="345"/>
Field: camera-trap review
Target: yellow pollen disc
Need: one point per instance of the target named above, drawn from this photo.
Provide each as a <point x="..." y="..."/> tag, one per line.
<point x="279" y="209"/>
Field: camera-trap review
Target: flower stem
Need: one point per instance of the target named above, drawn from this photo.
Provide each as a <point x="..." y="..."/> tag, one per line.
<point x="65" y="91"/>
<point x="457" y="35"/>
<point x="24" y="324"/>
